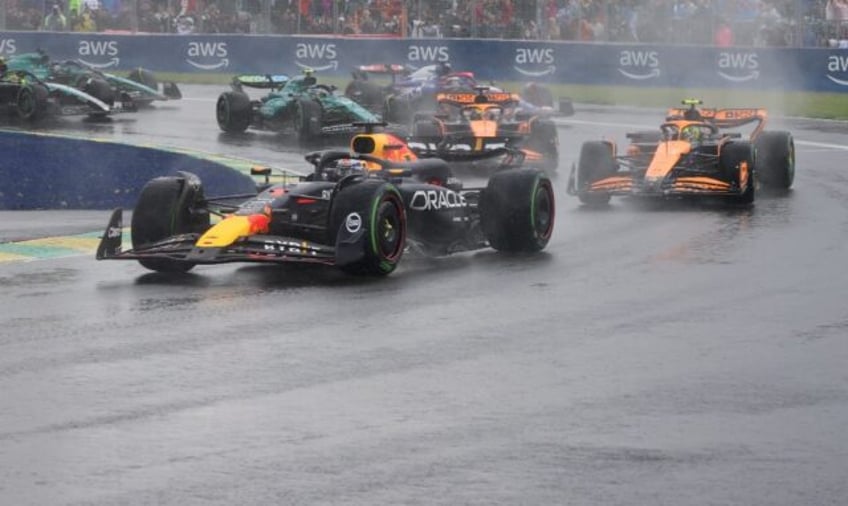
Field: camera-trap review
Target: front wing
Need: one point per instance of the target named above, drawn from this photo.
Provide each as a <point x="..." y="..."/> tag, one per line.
<point x="689" y="183"/>
<point x="181" y="248"/>
<point x="669" y="187"/>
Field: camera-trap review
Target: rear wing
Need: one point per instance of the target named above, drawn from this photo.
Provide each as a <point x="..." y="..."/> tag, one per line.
<point x="724" y="118"/>
<point x="381" y="69"/>
<point x="489" y="97"/>
<point x="261" y="81"/>
<point x="384" y="68"/>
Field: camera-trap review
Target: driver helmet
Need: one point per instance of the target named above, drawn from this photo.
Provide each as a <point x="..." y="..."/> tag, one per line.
<point x="691" y="133"/>
<point x="472" y="114"/>
<point x="347" y="166"/>
<point x="453" y="83"/>
<point x="443" y="69"/>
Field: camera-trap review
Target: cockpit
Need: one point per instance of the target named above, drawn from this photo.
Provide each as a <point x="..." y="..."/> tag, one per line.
<point x="691" y="132"/>
<point x="475" y="113"/>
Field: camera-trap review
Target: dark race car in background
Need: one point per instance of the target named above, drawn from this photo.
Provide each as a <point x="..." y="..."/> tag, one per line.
<point x="691" y="155"/>
<point x="357" y="211"/>
<point x="486" y="120"/>
<point x="27" y="98"/>
<point x="108" y="88"/>
<point x="414" y="90"/>
<point x="298" y="106"/>
<point x="371" y="84"/>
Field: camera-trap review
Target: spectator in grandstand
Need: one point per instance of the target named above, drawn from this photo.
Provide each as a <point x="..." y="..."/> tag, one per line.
<point x="836" y="10"/>
<point x="84" y="22"/>
<point x="55" y="21"/>
<point x="723" y="36"/>
<point x="184" y="24"/>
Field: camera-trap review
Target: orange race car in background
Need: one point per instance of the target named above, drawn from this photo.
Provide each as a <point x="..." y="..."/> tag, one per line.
<point x="483" y="121"/>
<point x="690" y="155"/>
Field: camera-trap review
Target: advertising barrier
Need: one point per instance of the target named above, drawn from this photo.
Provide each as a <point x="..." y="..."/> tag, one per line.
<point x="40" y="171"/>
<point x="795" y="69"/>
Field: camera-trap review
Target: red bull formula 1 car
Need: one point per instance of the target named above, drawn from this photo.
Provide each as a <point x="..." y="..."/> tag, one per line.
<point x="690" y="155"/>
<point x="486" y="120"/>
<point x="359" y="210"/>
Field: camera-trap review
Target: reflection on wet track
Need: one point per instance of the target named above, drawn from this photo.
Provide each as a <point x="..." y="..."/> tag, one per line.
<point x="682" y="354"/>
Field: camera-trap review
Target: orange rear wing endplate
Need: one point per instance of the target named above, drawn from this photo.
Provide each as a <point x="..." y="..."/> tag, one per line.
<point x="460" y="99"/>
<point x="725" y="118"/>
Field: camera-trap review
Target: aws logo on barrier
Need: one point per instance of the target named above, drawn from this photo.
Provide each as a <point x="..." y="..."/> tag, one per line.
<point x="316" y="56"/>
<point x="837" y="64"/>
<point x="428" y="54"/>
<point x="207" y="55"/>
<point x="8" y="46"/>
<point x="540" y="60"/>
<point x="738" y="67"/>
<point x="639" y="64"/>
<point x="100" y="54"/>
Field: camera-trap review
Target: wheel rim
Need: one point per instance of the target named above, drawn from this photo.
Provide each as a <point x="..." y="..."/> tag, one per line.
<point x="543" y="211"/>
<point x="389" y="230"/>
<point x="26" y="103"/>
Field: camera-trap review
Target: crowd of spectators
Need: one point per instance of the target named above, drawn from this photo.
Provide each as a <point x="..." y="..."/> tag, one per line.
<point x="719" y="22"/>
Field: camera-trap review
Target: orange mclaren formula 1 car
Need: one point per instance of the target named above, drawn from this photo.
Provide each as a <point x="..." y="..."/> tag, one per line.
<point x="690" y="155"/>
<point x="483" y="121"/>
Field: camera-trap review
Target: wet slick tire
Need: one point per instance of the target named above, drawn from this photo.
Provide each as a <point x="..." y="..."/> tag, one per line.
<point x="232" y="111"/>
<point x="31" y="102"/>
<point x="517" y="210"/>
<point x="98" y="88"/>
<point x="775" y="160"/>
<point x="143" y="76"/>
<point x="164" y="209"/>
<point x="731" y="159"/>
<point x="543" y="139"/>
<point x="368" y="226"/>
<point x="307" y="122"/>
<point x="365" y="93"/>
<point x="595" y="163"/>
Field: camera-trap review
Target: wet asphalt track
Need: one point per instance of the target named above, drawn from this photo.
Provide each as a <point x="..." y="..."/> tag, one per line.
<point x="651" y="355"/>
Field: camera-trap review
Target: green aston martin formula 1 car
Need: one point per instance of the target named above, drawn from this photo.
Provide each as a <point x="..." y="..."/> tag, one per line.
<point x="298" y="106"/>
<point x="140" y="87"/>
<point x="25" y="97"/>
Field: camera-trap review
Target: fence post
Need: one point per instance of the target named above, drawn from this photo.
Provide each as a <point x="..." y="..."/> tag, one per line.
<point x="134" y="18"/>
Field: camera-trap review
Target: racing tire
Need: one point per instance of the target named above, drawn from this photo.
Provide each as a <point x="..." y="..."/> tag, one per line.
<point x="775" y="160"/>
<point x="145" y="77"/>
<point x="365" y="93"/>
<point x="232" y="111"/>
<point x="517" y="210"/>
<point x="307" y="122"/>
<point x="374" y="209"/>
<point x="165" y="207"/>
<point x="596" y="162"/>
<point x="397" y="110"/>
<point x="426" y="129"/>
<point x="538" y="95"/>
<point x="31" y="102"/>
<point x="544" y="139"/>
<point x="97" y="88"/>
<point x="730" y="161"/>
